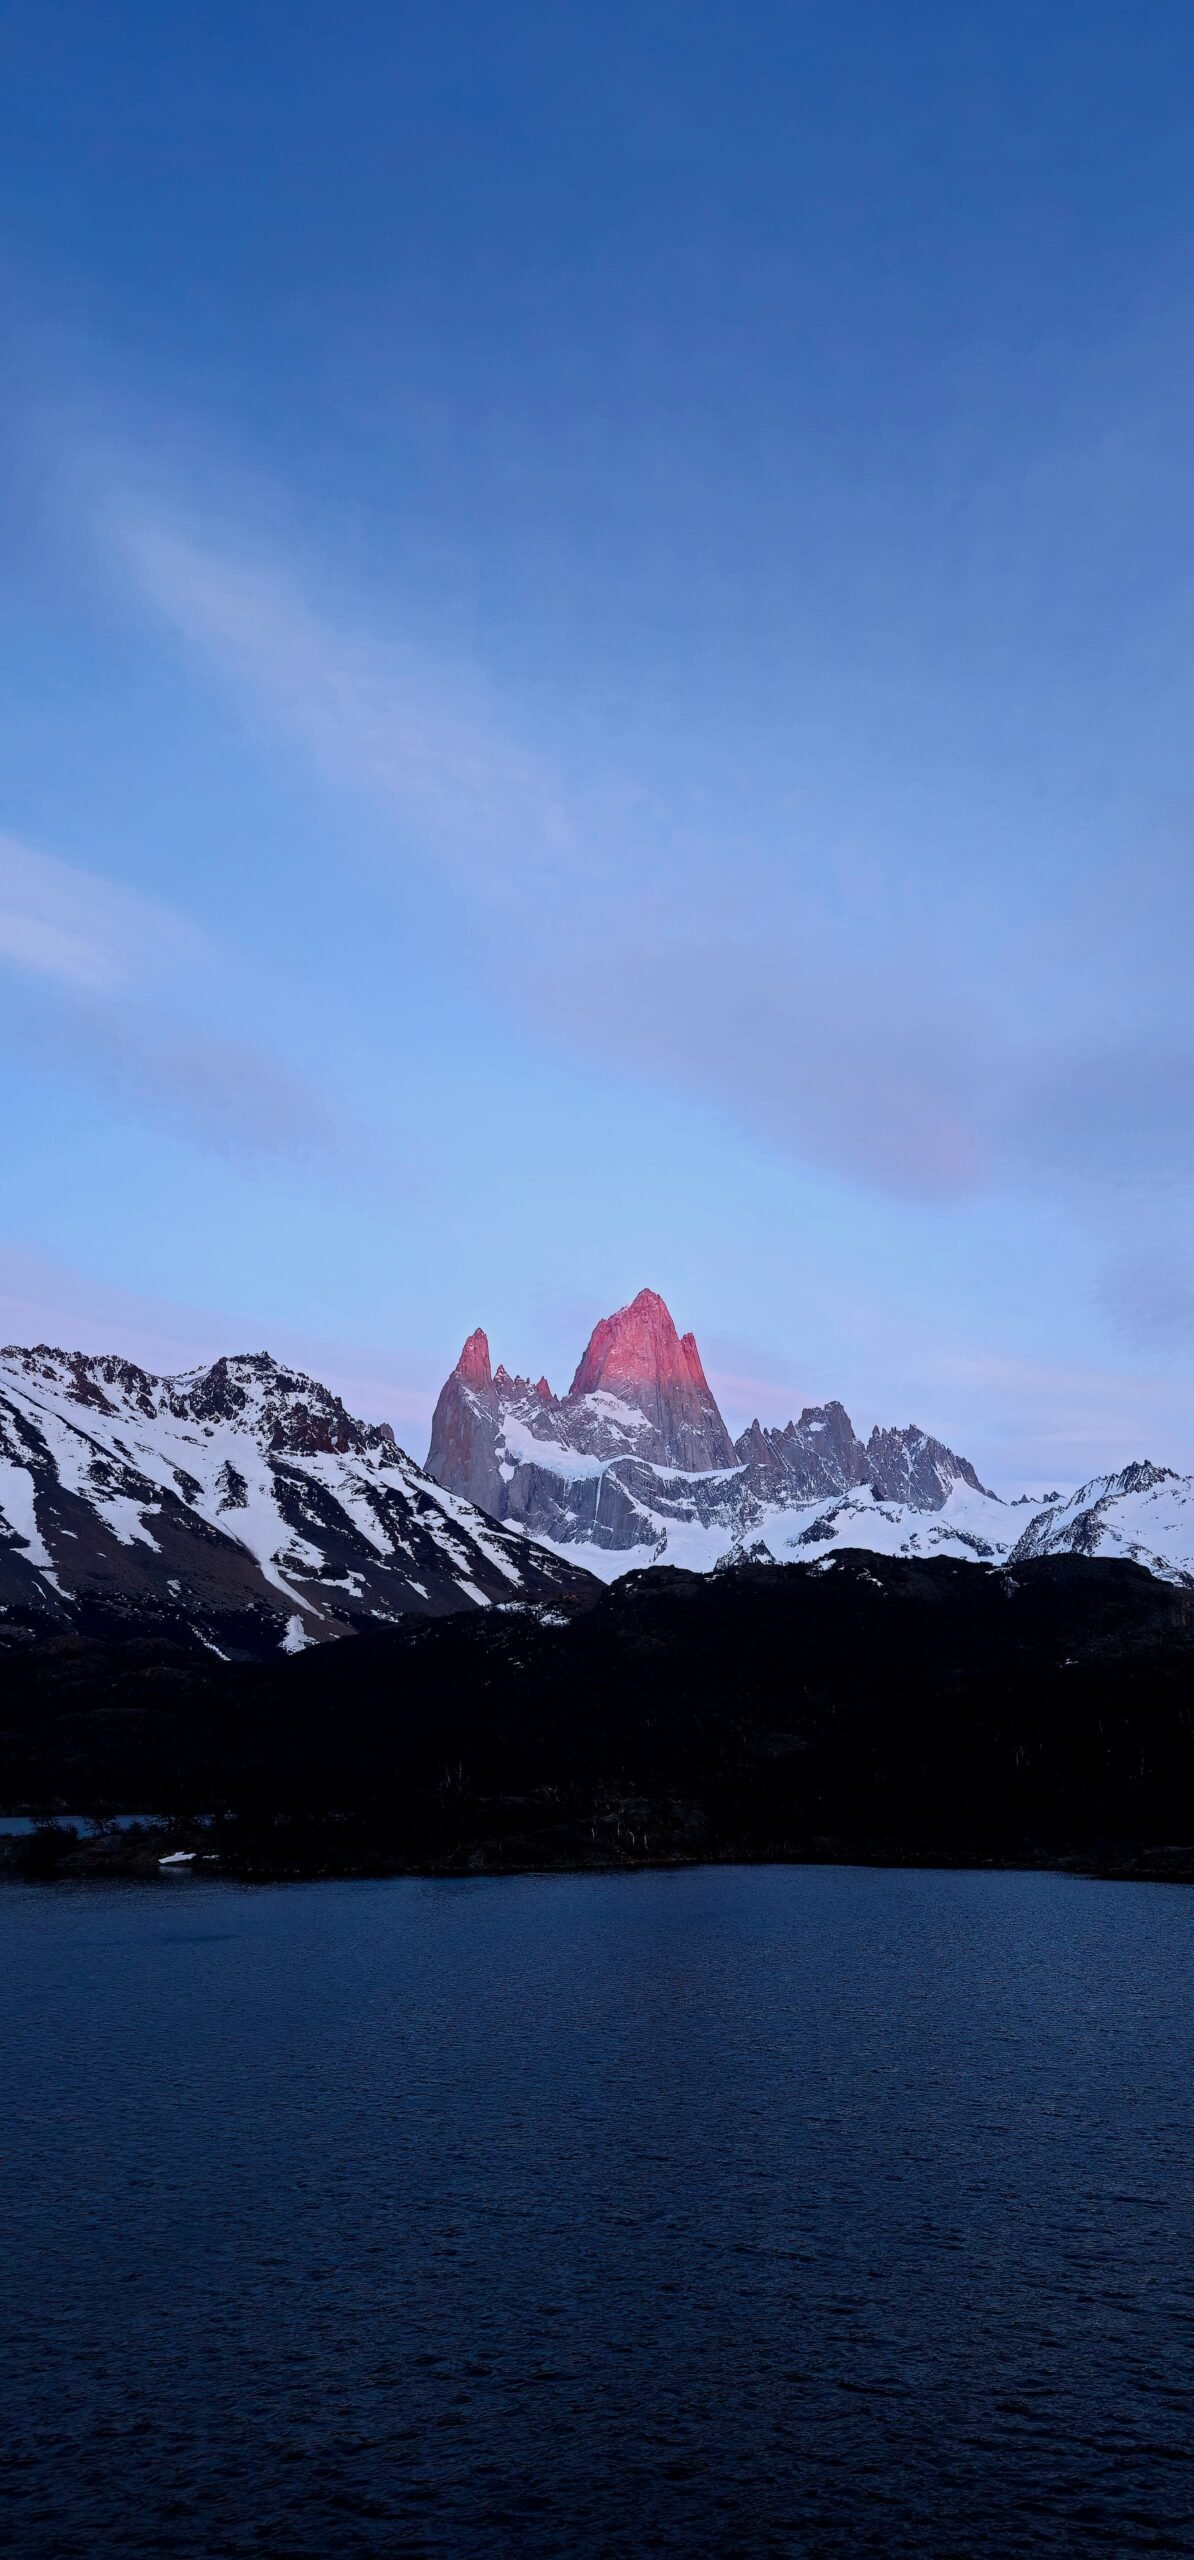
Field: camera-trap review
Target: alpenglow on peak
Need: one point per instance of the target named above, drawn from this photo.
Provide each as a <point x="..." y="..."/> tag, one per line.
<point x="638" y="1356"/>
<point x="639" y="1391"/>
<point x="634" y="1465"/>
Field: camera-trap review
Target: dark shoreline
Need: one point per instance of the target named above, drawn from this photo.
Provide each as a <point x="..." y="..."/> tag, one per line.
<point x="58" y="1853"/>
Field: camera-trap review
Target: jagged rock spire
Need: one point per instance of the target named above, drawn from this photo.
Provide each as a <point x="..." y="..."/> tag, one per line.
<point x="473" y="1365"/>
<point x="638" y="1356"/>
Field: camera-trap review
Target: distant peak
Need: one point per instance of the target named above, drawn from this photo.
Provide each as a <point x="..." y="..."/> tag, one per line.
<point x="473" y="1365"/>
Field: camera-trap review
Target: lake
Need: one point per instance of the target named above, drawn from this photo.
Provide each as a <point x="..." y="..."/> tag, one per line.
<point x="813" y="2211"/>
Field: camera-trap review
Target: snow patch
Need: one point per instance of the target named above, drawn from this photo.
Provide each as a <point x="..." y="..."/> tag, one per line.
<point x="18" y="1507"/>
<point x="471" y="1592"/>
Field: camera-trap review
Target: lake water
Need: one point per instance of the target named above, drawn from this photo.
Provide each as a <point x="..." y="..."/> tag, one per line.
<point x="804" y="2211"/>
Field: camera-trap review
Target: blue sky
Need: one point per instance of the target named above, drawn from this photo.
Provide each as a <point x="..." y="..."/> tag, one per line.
<point x="598" y="647"/>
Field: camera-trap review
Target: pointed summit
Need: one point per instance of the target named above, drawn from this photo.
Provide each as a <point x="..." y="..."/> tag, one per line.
<point x="473" y="1364"/>
<point x="638" y="1356"/>
<point x="462" y="1455"/>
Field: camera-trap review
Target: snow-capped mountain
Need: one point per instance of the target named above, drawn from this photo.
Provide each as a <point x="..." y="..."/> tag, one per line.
<point x="634" y="1466"/>
<point x="1145" y="1513"/>
<point x="240" y="1506"/>
<point x="636" y="1444"/>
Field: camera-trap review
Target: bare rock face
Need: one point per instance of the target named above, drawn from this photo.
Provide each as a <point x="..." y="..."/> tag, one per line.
<point x="822" y="1455"/>
<point x="465" y="1428"/>
<point x="807" y="1460"/>
<point x="910" y="1466"/>
<point x="638" y="1356"/>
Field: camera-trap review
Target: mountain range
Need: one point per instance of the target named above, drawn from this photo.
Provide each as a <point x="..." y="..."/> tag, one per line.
<point x="241" y="1508"/>
<point x="634" y="1466"/>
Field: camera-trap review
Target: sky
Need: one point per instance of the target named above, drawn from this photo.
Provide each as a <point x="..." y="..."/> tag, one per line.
<point x="597" y="634"/>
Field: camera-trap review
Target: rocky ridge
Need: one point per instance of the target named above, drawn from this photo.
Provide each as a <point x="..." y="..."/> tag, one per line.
<point x="239" y="1507"/>
<point x="634" y="1466"/>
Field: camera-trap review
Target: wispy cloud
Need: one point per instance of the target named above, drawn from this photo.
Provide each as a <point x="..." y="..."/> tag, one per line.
<point x="926" y="1045"/>
<point x="127" y="980"/>
<point x="81" y="932"/>
<point x="429" y="740"/>
<point x="609" y="925"/>
<point x="229" y="1094"/>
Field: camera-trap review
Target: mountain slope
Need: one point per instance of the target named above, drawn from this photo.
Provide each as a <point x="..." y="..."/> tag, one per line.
<point x="239" y="1507"/>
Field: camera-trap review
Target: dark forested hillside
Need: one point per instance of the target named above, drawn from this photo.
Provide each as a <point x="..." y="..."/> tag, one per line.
<point x="865" y="1708"/>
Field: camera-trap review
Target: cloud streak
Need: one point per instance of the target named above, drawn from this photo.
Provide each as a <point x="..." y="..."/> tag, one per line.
<point x="228" y="1094"/>
<point x="69" y="926"/>
<point x="918" y="1044"/>
<point x="123" y="983"/>
<point x="609" y="927"/>
<point x="430" y="742"/>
